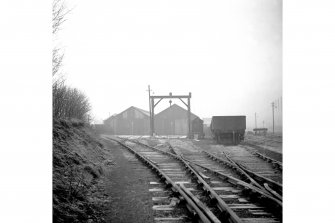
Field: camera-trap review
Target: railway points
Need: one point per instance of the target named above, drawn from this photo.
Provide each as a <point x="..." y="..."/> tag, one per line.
<point x="221" y="191"/>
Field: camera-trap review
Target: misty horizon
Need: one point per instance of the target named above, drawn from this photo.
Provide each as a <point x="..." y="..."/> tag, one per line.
<point x="227" y="54"/>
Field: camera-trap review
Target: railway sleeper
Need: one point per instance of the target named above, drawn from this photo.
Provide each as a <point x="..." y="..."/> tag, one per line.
<point x="201" y="215"/>
<point x="251" y="191"/>
<point x="193" y="173"/>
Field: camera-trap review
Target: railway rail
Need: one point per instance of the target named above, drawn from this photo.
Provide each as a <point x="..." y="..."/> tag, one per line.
<point x="273" y="154"/>
<point x="176" y="176"/>
<point x="275" y="188"/>
<point x="237" y="201"/>
<point x="276" y="163"/>
<point x="253" y="166"/>
<point x="261" y="182"/>
<point x="251" y="161"/>
<point x="249" y="176"/>
<point x="267" y="139"/>
<point x="254" y="170"/>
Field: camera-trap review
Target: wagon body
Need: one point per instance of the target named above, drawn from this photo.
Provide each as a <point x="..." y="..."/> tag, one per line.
<point x="228" y="129"/>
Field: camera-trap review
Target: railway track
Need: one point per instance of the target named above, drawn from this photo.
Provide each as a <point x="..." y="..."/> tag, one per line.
<point x="273" y="154"/>
<point x="260" y="139"/>
<point x="272" y="186"/>
<point x="267" y="185"/>
<point x="183" y="183"/>
<point x="247" y="202"/>
<point x="275" y="163"/>
<point x="259" y="164"/>
<point x="251" y="166"/>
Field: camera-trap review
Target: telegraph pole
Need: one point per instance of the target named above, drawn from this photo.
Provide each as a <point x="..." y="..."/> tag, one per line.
<point x="273" y="117"/>
<point x="149" y="105"/>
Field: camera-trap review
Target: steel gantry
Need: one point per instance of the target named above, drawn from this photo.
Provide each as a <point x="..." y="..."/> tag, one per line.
<point x="180" y="97"/>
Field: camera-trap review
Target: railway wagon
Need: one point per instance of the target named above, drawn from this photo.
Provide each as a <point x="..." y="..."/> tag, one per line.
<point x="228" y="129"/>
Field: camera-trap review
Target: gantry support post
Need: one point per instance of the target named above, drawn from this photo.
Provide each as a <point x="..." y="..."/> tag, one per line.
<point x="188" y="105"/>
<point x="190" y="135"/>
<point x="152" y="118"/>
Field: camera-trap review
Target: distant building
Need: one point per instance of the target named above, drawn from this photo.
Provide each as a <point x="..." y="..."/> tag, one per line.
<point x="132" y="121"/>
<point x="173" y="121"/>
<point x="260" y="131"/>
<point x="109" y="124"/>
<point x="207" y="130"/>
<point x="102" y="129"/>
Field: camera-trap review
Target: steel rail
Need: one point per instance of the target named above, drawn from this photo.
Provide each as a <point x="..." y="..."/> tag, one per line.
<point x="268" y="159"/>
<point x="270" y="186"/>
<point x="249" y="186"/>
<point x="236" y="167"/>
<point x="266" y="185"/>
<point x="227" y="213"/>
<point x="246" y="173"/>
<point x="274" y="162"/>
<point x="235" y="181"/>
<point x="261" y="179"/>
<point x="190" y="199"/>
<point x="262" y="194"/>
<point x="275" y="203"/>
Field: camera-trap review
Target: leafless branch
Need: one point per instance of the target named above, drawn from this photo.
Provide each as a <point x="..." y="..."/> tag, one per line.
<point x="59" y="12"/>
<point x="57" y="60"/>
<point x="69" y="102"/>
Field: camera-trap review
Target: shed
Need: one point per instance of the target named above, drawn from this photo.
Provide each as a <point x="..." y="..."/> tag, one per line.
<point x="260" y="131"/>
<point x="132" y="121"/>
<point x="173" y="121"/>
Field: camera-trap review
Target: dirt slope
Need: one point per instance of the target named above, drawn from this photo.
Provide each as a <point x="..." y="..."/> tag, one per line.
<point x="79" y="160"/>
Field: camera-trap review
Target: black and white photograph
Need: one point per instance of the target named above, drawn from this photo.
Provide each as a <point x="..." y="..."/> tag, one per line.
<point x="167" y="111"/>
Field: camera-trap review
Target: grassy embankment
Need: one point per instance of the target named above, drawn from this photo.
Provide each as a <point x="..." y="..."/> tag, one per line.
<point x="78" y="166"/>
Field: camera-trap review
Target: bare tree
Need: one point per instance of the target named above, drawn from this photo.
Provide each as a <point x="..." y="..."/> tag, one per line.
<point x="67" y="102"/>
<point x="59" y="16"/>
<point x="57" y="61"/>
<point x="59" y="12"/>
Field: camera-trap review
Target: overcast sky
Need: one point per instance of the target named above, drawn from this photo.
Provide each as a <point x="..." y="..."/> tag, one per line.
<point x="227" y="53"/>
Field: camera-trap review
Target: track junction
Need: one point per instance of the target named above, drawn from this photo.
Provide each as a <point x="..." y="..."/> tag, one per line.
<point x="209" y="186"/>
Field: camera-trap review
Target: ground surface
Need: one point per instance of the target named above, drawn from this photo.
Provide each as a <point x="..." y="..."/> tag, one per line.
<point x="96" y="180"/>
<point x="79" y="160"/>
<point x="127" y="186"/>
<point x="117" y="182"/>
<point x="270" y="142"/>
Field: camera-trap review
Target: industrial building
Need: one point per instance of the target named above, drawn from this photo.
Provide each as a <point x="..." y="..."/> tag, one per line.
<point x="132" y="121"/>
<point x="136" y="121"/>
<point x="173" y="121"/>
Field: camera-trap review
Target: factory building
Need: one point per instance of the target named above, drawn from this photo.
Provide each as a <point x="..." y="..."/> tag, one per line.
<point x="173" y="121"/>
<point x="132" y="121"/>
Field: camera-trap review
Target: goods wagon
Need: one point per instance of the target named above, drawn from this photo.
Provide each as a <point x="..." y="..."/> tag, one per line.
<point x="228" y="129"/>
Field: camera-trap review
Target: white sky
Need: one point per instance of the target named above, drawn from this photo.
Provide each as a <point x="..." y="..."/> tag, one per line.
<point x="309" y="52"/>
<point x="227" y="53"/>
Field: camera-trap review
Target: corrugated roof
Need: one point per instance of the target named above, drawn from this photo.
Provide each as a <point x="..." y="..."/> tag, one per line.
<point x="175" y="106"/>
<point x="109" y="118"/>
<point x="143" y="111"/>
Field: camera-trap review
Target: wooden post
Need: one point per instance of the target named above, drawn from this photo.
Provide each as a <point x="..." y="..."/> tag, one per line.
<point x="149" y="107"/>
<point x="152" y="117"/>
<point x="273" y="117"/>
<point x="189" y="117"/>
